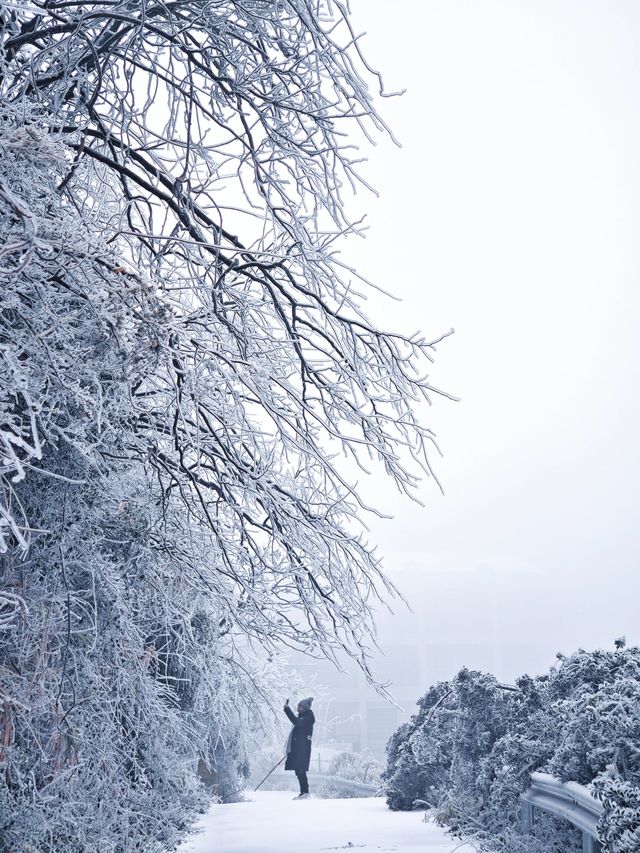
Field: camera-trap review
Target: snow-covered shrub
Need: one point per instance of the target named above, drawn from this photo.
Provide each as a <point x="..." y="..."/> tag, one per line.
<point x="599" y="717"/>
<point x="619" y="827"/>
<point x="359" y="766"/>
<point x="471" y="747"/>
<point x="599" y="740"/>
<point x="356" y="766"/>
<point x="409" y="779"/>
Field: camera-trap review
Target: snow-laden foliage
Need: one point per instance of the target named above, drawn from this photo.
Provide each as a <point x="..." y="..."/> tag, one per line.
<point x="114" y="682"/>
<point x="183" y="359"/>
<point x="619" y="830"/>
<point x="218" y="129"/>
<point x="469" y="751"/>
<point x="357" y="766"/>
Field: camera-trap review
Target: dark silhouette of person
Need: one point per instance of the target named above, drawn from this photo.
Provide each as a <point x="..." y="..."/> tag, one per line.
<point x="299" y="743"/>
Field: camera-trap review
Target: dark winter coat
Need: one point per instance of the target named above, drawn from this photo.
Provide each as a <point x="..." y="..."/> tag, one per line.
<point x="300" y="756"/>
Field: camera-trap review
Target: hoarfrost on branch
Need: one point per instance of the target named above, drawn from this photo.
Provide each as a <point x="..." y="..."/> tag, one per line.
<point x="184" y="358"/>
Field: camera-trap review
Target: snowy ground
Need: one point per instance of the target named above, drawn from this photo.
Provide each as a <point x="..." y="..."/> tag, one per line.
<point x="272" y="823"/>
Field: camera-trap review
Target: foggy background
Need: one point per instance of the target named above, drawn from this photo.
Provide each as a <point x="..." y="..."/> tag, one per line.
<point x="511" y="213"/>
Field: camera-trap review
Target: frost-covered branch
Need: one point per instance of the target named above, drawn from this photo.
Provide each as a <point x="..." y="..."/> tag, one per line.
<point x="185" y="361"/>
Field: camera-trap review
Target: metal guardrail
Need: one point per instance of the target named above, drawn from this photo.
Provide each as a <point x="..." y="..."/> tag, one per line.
<point x="342" y="784"/>
<point x="567" y="800"/>
<point x="363" y="789"/>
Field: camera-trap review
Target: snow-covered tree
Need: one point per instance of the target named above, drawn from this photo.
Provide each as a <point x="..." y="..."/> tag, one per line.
<point x="357" y="766"/>
<point x="220" y="130"/>
<point x="183" y="360"/>
<point x="113" y="674"/>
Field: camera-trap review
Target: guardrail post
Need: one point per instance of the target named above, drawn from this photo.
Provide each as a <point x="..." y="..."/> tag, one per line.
<point x="568" y="800"/>
<point x="589" y="844"/>
<point x="526" y="817"/>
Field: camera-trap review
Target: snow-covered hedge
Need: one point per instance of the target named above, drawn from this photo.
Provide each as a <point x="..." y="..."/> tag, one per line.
<point x="355" y="766"/>
<point x="469" y="750"/>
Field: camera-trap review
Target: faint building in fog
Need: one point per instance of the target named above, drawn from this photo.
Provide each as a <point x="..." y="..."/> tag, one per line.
<point x="471" y="618"/>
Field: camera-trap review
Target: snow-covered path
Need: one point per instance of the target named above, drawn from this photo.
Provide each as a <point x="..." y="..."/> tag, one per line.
<point x="272" y="823"/>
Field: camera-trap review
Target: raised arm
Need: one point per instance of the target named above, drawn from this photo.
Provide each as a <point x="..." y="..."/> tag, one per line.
<point x="291" y="715"/>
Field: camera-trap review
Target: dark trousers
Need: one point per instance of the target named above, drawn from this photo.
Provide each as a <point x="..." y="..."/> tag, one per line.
<point x="304" y="783"/>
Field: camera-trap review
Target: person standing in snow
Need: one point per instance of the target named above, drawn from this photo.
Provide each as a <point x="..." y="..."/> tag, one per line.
<point x="299" y="743"/>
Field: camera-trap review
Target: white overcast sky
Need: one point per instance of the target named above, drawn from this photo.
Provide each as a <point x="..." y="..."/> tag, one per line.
<point x="512" y="213"/>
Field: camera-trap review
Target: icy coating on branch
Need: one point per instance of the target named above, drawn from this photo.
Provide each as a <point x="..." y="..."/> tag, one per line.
<point x="183" y="360"/>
